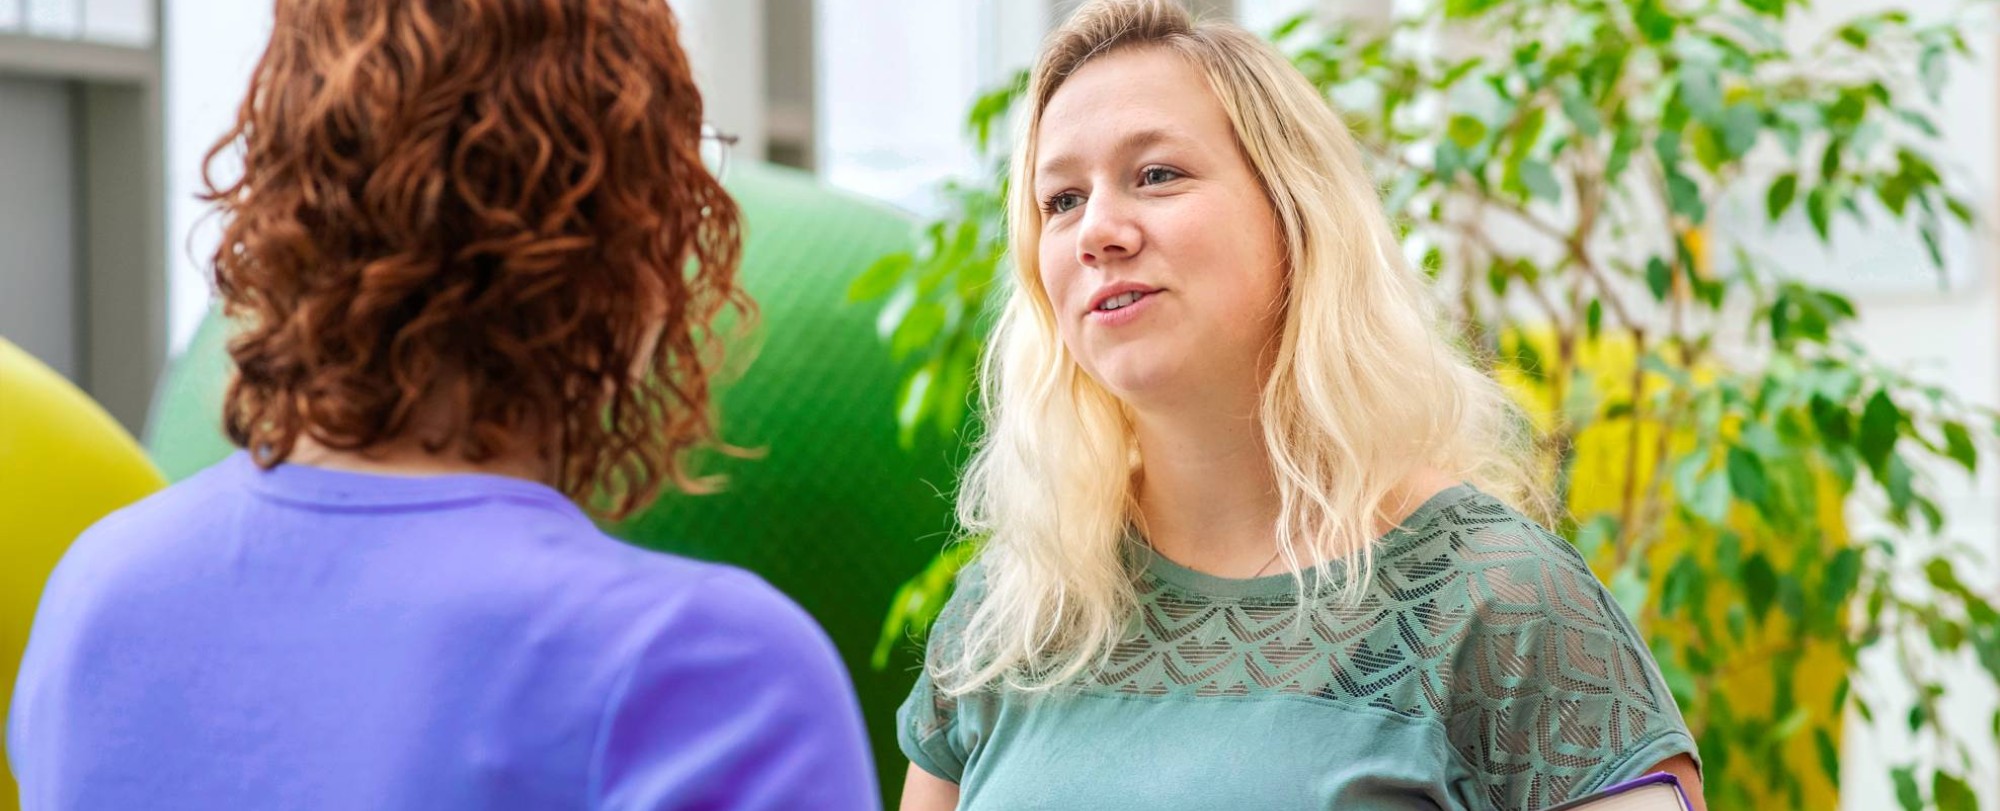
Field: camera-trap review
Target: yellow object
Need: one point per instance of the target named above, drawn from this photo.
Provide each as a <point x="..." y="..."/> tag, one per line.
<point x="1605" y="459"/>
<point x="64" y="464"/>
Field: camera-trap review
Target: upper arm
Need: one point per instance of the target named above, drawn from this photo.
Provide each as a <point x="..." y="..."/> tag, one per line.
<point x="932" y="726"/>
<point x="923" y="791"/>
<point x="1556" y="693"/>
<point x="1683" y="768"/>
<point x="739" y="702"/>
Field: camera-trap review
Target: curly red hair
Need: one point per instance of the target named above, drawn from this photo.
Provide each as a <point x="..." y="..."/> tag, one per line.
<point x="468" y="223"/>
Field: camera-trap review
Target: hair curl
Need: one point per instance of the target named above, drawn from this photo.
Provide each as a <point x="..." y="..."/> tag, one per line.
<point x="477" y="224"/>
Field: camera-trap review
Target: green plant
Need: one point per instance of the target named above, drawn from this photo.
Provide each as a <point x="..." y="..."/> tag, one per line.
<point x="1560" y="166"/>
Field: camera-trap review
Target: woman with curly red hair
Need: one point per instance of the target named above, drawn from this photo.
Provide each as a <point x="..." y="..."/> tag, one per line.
<point x="475" y="259"/>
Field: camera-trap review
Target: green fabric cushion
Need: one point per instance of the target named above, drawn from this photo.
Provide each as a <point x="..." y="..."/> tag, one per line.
<point x="835" y="513"/>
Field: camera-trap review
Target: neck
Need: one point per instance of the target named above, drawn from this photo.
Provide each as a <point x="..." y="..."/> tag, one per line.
<point x="1208" y="498"/>
<point x="408" y="457"/>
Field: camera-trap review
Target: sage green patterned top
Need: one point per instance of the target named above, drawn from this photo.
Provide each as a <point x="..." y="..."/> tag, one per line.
<point x="1484" y="668"/>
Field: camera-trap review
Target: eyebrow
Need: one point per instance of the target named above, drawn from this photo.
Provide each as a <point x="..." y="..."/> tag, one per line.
<point x="1133" y="142"/>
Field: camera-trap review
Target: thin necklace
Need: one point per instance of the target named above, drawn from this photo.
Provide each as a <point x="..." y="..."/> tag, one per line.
<point x="1148" y="541"/>
<point x="1267" y="564"/>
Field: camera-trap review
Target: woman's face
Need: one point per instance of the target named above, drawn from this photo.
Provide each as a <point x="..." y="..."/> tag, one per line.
<point x="1159" y="251"/>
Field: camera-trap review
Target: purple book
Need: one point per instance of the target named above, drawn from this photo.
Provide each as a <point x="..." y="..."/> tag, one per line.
<point x="1654" y="792"/>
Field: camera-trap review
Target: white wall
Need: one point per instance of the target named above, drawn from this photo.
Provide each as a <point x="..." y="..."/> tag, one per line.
<point x="123" y="22"/>
<point x="209" y="49"/>
<point x="38" y="263"/>
<point x="895" y="80"/>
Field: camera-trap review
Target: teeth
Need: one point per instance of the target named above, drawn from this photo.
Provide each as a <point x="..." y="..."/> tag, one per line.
<point x="1116" y="302"/>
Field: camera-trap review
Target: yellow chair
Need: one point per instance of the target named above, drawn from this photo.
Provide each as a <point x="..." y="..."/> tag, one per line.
<point x="64" y="463"/>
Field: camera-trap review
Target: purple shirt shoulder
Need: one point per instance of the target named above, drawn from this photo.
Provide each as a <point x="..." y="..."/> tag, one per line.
<point x="307" y="638"/>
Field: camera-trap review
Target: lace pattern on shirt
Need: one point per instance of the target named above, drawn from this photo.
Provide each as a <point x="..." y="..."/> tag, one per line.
<point x="1479" y="620"/>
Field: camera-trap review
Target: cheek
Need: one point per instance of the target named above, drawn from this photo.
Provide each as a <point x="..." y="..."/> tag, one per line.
<point x="1058" y="272"/>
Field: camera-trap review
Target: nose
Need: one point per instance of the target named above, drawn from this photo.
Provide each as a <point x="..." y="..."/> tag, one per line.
<point x="1108" y="231"/>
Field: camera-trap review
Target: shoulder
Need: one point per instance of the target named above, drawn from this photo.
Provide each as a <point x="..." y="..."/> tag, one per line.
<point x="1504" y="565"/>
<point x="733" y="604"/>
<point x="139" y="539"/>
<point x="1553" y="691"/>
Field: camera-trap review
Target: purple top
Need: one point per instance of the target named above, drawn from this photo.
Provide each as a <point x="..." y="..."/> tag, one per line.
<point x="308" y="638"/>
<point x="1656" y="778"/>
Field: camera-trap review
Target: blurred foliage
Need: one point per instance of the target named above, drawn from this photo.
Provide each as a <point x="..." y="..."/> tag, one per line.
<point x="1587" y="181"/>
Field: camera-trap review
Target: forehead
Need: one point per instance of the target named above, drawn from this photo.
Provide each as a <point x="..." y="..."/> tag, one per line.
<point x="1144" y="93"/>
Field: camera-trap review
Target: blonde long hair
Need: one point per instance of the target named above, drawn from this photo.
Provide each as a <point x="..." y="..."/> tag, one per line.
<point x="1367" y="386"/>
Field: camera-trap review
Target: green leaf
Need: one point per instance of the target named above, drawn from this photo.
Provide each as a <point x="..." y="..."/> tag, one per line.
<point x="881" y="277"/>
<point x="1780" y="197"/>
<point x="1880" y="420"/>
<point x="1918" y="121"/>
<point x="1682" y="587"/>
<point x="1895" y="193"/>
<point x="910" y="404"/>
<point x="1931" y="71"/>
<point x="1621" y="153"/>
<point x="1289" y="26"/>
<point x="1497" y="277"/>
<point x="1529" y="132"/>
<point x="1854" y="34"/>
<point x="1593" y="318"/>
<point x="1712" y="498"/>
<point x="1580" y="112"/>
<point x="1760" y="584"/>
<point x="1667" y="145"/>
<point x="1907" y="793"/>
<point x="918" y="329"/>
<point x="1746" y="476"/>
<point x="1701" y="90"/>
<point x="1740" y="124"/>
<point x="1728" y="554"/>
<point x="1458" y="9"/>
<point x="1940" y="574"/>
<point x="1540" y="180"/>
<point x="1817" y="209"/>
<point x="1659" y="278"/>
<point x="1466" y="131"/>
<point x="1842" y="574"/>
<point x="895" y="310"/>
<point x="1958" y="445"/>
<point x="1686" y="197"/>
<point x="1960" y="210"/>
<point x="1790" y="725"/>
<point x="1932" y="248"/>
<point x="1829" y="756"/>
<point x="1654" y="22"/>
<point x="1831" y="157"/>
<point x="1952" y="794"/>
<point x="1900" y="481"/>
<point x="1449" y="160"/>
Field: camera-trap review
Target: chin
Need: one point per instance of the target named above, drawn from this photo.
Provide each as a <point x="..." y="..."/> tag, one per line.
<point x="1138" y="381"/>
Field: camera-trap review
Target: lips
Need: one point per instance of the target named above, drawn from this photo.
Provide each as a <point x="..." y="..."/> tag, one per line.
<point x="1119" y="295"/>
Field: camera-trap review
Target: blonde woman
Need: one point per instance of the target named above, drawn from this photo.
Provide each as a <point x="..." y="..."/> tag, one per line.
<point x="1248" y="534"/>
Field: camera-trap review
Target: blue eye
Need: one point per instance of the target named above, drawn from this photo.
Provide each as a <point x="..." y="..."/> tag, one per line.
<point x="1061" y="202"/>
<point x="1156" y="174"/>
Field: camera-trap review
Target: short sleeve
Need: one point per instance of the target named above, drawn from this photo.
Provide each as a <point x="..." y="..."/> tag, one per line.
<point x="1555" y="695"/>
<point x="929" y="725"/>
<point x="738" y="702"/>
